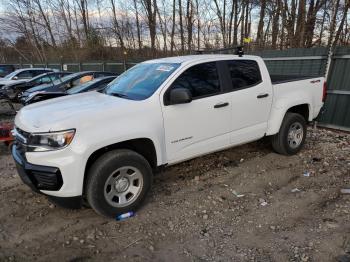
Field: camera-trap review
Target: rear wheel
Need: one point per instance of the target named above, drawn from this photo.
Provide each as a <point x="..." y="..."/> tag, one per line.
<point x="291" y="137"/>
<point x="118" y="182"/>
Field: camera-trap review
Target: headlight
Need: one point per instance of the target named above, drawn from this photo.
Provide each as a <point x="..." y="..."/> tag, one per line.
<point x="39" y="142"/>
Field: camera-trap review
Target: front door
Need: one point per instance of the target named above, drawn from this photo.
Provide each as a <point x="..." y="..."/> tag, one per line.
<point x="202" y="125"/>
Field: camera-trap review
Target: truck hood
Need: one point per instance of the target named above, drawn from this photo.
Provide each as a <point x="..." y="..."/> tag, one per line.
<point x="69" y="112"/>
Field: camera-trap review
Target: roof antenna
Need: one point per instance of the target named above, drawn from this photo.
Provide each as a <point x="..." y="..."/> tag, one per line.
<point x="239" y="51"/>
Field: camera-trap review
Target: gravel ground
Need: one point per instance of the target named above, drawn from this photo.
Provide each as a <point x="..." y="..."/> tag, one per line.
<point x="242" y="204"/>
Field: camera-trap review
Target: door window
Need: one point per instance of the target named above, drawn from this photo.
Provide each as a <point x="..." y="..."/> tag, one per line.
<point x="202" y="80"/>
<point x="25" y="75"/>
<point x="39" y="72"/>
<point x="244" y="73"/>
<point x="46" y="80"/>
<point x="42" y="80"/>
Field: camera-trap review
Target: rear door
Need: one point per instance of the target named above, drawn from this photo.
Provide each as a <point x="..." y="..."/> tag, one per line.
<point x="202" y="125"/>
<point x="251" y="100"/>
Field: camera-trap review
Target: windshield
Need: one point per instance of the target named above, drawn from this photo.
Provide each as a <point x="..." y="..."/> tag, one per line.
<point x="141" y="81"/>
<point x="65" y="78"/>
<point x="9" y="76"/>
<point x="82" y="87"/>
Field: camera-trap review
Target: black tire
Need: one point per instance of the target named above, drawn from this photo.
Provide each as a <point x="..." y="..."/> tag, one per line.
<point x="280" y="141"/>
<point x="101" y="172"/>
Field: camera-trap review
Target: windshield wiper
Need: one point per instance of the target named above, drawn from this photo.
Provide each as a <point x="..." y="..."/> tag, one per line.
<point x="119" y="95"/>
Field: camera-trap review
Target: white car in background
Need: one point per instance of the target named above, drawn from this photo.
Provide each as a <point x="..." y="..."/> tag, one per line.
<point x="22" y="74"/>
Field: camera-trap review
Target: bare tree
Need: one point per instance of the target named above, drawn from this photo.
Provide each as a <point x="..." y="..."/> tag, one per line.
<point x="151" y="12"/>
<point x="259" y="38"/>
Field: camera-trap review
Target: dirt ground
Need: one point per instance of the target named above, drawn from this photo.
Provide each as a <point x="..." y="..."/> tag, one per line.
<point x="242" y="204"/>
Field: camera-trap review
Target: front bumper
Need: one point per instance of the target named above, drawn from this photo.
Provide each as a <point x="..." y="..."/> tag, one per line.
<point x="45" y="178"/>
<point x="37" y="177"/>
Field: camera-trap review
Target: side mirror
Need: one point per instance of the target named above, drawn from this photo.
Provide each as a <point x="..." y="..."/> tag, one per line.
<point x="180" y="96"/>
<point x="15" y="78"/>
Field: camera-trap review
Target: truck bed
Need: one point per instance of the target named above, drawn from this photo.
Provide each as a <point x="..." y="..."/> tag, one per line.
<point x="277" y="79"/>
<point x="302" y="90"/>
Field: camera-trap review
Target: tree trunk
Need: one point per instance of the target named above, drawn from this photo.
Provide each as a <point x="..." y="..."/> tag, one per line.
<point x="311" y="21"/>
<point x="333" y="22"/>
<point x="242" y="22"/>
<point x="221" y="16"/>
<point x="322" y="24"/>
<point x="151" y="12"/>
<point x="84" y="16"/>
<point x="341" y="25"/>
<point x="47" y="23"/>
<point x="198" y="26"/>
<point x="189" y="19"/>
<point x="116" y="26"/>
<point x="181" y="28"/>
<point x="172" y="43"/>
<point x="284" y="20"/>
<point x="275" y="23"/>
<point x="260" y="33"/>
<point x="235" y="23"/>
<point x="138" y="26"/>
<point x="300" y="27"/>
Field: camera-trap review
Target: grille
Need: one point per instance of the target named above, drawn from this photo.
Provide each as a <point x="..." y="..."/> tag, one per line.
<point x="21" y="145"/>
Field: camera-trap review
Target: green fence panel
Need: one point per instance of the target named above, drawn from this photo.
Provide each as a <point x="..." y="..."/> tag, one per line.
<point x="297" y="67"/>
<point x="295" y="61"/>
<point x="71" y="67"/>
<point x="54" y="66"/>
<point x="92" y="67"/>
<point x="337" y="106"/>
<point x="336" y="111"/>
<point x="114" y="67"/>
<point x="292" y="52"/>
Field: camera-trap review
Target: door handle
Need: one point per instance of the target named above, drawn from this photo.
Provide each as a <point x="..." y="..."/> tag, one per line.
<point x="262" y="95"/>
<point x="221" y="105"/>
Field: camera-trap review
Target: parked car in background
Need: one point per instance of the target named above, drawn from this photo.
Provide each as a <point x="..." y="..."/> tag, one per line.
<point x="6" y="69"/>
<point x="13" y="90"/>
<point x="96" y="84"/>
<point x="65" y="83"/>
<point x="22" y="74"/>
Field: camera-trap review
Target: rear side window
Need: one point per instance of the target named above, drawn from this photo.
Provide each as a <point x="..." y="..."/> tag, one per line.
<point x="25" y="75"/>
<point x="244" y="73"/>
<point x="38" y="72"/>
<point x="202" y="80"/>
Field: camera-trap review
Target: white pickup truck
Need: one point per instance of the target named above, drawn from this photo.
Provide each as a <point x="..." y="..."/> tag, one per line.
<point x="104" y="146"/>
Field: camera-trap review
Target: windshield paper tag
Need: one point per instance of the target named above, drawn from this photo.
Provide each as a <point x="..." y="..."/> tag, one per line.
<point x="165" y="68"/>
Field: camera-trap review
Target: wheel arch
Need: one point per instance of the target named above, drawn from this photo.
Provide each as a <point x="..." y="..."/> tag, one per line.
<point x="143" y="146"/>
<point x="276" y="119"/>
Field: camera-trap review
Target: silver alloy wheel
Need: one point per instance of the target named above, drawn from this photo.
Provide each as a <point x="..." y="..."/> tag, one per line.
<point x="123" y="186"/>
<point x="295" y="135"/>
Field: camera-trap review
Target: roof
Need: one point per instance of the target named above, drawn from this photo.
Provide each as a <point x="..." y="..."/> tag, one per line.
<point x="34" y="68"/>
<point x="197" y="58"/>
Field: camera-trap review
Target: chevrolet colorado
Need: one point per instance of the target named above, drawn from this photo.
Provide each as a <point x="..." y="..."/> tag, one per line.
<point x="104" y="146"/>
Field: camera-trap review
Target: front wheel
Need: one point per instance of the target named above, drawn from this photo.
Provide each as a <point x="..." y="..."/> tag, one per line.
<point x="291" y="137"/>
<point x="118" y="182"/>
